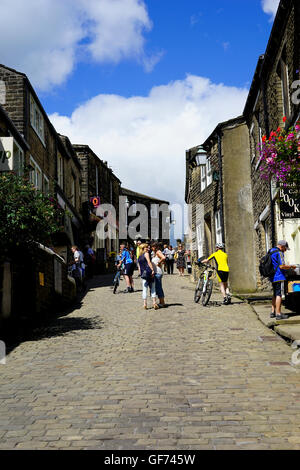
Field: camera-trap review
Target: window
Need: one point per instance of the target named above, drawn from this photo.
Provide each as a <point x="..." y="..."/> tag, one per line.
<point x="218" y="227"/>
<point x="36" y="119"/>
<point x="36" y="175"/>
<point x="252" y="142"/>
<point x="60" y="170"/>
<point x="203" y="177"/>
<point x="46" y="185"/>
<point x="11" y="156"/>
<point x="111" y="192"/>
<point x="284" y="76"/>
<point x="199" y="230"/>
<point x="267" y="234"/>
<point x="208" y="172"/>
<point x="73" y="192"/>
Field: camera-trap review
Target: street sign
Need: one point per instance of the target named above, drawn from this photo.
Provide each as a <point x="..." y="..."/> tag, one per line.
<point x="95" y="201"/>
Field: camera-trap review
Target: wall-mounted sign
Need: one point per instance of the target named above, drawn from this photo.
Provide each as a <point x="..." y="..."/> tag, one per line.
<point x="289" y="202"/>
<point x="42" y="279"/>
<point x="95" y="201"/>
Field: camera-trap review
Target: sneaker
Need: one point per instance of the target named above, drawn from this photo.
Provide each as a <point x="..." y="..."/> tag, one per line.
<point x="272" y="315"/>
<point x="282" y="316"/>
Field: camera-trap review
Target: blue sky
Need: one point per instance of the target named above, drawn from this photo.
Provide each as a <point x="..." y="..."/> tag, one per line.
<point x="221" y="39"/>
<point x="140" y="82"/>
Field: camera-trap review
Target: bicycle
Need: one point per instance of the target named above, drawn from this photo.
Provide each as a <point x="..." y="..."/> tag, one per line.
<point x="116" y="281"/>
<point x="204" y="286"/>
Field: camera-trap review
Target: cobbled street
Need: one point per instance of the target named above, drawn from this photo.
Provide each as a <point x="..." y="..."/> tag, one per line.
<point x="112" y="376"/>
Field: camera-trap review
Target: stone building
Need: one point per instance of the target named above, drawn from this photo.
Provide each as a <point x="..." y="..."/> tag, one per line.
<point x="99" y="186"/>
<point x="68" y="194"/>
<point x="49" y="158"/>
<point x="148" y="217"/>
<point x="218" y="190"/>
<point x="274" y="94"/>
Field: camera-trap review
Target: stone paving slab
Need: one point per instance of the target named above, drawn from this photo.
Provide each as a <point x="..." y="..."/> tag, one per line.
<point x="263" y="313"/>
<point x="112" y="376"/>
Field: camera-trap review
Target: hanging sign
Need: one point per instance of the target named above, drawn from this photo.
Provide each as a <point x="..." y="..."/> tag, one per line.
<point x="289" y="202"/>
<point x="95" y="201"/>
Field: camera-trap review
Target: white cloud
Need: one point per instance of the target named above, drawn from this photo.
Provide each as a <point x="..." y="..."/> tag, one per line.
<point x="144" y="138"/>
<point x="270" y="7"/>
<point x="45" y="38"/>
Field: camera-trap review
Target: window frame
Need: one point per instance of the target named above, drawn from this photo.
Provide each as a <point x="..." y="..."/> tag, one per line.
<point x="208" y="172"/>
<point x="202" y="177"/>
<point x="37" y="119"/>
<point x="218" y="227"/>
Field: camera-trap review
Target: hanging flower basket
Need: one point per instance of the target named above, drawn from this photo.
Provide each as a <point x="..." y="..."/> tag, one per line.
<point x="280" y="156"/>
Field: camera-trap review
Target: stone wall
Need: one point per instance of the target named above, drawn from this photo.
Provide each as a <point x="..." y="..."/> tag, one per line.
<point x="38" y="285"/>
<point x="266" y="115"/>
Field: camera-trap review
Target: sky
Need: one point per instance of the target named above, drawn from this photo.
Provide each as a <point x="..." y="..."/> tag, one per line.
<point x="139" y="81"/>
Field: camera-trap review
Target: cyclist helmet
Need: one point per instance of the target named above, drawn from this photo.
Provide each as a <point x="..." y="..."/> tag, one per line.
<point x="220" y="246"/>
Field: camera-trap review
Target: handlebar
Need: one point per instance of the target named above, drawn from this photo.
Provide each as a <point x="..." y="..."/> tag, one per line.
<point x="206" y="265"/>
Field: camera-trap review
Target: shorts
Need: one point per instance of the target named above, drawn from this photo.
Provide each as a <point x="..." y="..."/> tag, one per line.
<point x="129" y="269"/>
<point x="223" y="275"/>
<point x="277" y="289"/>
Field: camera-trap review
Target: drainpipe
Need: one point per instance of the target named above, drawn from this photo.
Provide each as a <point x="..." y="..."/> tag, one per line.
<point x="221" y="184"/>
<point x="267" y="129"/>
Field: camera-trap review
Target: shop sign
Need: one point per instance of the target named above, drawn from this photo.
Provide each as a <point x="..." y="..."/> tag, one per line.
<point x="289" y="202"/>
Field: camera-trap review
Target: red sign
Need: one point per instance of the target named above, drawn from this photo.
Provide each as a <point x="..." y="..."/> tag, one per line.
<point x="95" y="201"/>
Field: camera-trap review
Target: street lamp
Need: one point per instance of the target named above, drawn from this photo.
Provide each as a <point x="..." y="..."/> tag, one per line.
<point x="201" y="156"/>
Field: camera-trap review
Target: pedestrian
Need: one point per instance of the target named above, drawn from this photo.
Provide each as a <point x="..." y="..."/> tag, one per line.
<point x="158" y="260"/>
<point x="165" y="254"/>
<point x="189" y="261"/>
<point x="170" y="252"/>
<point x="180" y="263"/>
<point x="138" y="254"/>
<point x="147" y="275"/>
<point x="278" y="279"/>
<point x="89" y="261"/>
<point x="78" y="267"/>
<point x="221" y="260"/>
<point x="126" y="259"/>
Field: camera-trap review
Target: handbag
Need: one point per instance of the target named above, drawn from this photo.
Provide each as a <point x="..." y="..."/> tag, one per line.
<point x="146" y="274"/>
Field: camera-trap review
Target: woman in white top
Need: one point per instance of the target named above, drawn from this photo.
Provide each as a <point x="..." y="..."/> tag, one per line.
<point x="158" y="260"/>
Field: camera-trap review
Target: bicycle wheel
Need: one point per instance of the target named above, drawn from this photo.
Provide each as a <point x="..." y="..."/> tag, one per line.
<point x="116" y="282"/>
<point x="198" y="290"/>
<point x="206" y="295"/>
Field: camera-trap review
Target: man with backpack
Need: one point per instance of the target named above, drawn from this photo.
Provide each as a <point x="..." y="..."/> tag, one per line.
<point x="270" y="267"/>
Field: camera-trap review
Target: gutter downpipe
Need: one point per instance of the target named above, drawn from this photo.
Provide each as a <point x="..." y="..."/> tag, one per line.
<point x="267" y="128"/>
<point x="221" y="184"/>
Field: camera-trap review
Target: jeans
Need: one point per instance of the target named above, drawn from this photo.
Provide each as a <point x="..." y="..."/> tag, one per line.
<point x="158" y="286"/>
<point x="151" y="287"/>
<point x="170" y="266"/>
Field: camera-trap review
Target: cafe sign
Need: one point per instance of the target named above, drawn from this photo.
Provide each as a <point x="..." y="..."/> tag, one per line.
<point x="289" y="202"/>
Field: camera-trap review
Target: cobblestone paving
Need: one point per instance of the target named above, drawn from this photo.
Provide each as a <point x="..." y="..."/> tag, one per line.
<point x="111" y="375"/>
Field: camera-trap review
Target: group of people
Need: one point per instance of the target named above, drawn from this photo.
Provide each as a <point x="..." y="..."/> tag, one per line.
<point x="149" y="259"/>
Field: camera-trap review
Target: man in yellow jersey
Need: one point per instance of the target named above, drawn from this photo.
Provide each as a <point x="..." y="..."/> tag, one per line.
<point x="221" y="260"/>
